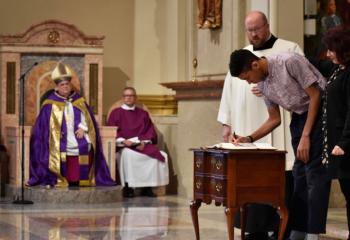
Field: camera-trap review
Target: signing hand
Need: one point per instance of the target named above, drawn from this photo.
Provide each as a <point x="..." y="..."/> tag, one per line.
<point x="239" y="139"/>
<point x="303" y="149"/>
<point x="79" y="133"/>
<point x="337" y="151"/>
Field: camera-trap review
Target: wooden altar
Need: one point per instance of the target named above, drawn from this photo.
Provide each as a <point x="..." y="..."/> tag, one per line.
<point x="235" y="178"/>
<point x="46" y="44"/>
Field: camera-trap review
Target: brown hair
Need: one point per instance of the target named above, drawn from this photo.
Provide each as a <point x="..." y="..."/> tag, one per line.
<point x="337" y="40"/>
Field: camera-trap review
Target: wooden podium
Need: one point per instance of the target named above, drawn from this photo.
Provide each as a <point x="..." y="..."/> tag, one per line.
<point x="235" y="178"/>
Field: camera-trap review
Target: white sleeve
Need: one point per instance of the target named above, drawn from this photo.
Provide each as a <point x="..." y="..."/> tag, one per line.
<point x="297" y="49"/>
<point x="119" y="140"/>
<point x="224" y="115"/>
<point x="83" y="124"/>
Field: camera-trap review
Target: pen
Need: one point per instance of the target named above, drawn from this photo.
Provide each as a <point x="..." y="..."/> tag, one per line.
<point x="234" y="135"/>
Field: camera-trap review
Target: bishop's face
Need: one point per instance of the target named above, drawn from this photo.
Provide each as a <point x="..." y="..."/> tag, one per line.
<point x="129" y="97"/>
<point x="64" y="88"/>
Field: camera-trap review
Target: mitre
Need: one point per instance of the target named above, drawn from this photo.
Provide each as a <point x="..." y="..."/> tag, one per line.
<point x="61" y="72"/>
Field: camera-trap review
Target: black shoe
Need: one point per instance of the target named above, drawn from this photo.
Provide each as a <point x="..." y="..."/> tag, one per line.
<point x="257" y="236"/>
<point x="128" y="192"/>
<point x="147" y="192"/>
<point x="73" y="185"/>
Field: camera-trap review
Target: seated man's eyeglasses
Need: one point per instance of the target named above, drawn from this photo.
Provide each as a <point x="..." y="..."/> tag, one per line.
<point x="129" y="95"/>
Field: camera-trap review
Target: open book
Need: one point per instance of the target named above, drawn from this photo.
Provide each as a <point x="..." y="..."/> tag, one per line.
<point x="262" y="146"/>
<point x="135" y="142"/>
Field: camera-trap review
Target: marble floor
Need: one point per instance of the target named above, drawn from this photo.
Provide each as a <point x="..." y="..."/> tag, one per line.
<point x="138" y="218"/>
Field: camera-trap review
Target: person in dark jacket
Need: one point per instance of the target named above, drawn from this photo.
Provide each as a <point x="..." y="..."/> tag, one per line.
<point x="336" y="108"/>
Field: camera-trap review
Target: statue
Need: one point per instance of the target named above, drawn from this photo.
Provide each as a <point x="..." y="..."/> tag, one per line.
<point x="209" y="14"/>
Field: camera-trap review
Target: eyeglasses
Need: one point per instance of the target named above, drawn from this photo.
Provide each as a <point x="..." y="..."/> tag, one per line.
<point x="255" y="30"/>
<point x="129" y="95"/>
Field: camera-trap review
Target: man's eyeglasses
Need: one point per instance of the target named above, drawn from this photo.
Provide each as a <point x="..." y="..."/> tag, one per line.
<point x="255" y="30"/>
<point x="129" y="95"/>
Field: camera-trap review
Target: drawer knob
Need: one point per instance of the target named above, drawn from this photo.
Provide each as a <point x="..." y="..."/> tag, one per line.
<point x="218" y="164"/>
<point x="218" y="187"/>
<point x="198" y="163"/>
<point x="198" y="184"/>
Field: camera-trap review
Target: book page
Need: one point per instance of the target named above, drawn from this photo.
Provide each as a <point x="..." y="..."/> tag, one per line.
<point x="265" y="146"/>
<point x="135" y="142"/>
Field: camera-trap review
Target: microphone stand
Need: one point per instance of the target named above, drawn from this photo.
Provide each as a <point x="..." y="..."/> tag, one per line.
<point x="21" y="200"/>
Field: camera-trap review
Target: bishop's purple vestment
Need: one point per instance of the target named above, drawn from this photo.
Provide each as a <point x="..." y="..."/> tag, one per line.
<point x="48" y="145"/>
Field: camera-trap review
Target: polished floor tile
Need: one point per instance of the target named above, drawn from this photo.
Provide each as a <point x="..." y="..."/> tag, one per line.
<point x="137" y="218"/>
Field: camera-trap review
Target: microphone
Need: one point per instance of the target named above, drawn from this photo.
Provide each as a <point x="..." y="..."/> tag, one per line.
<point x="30" y="68"/>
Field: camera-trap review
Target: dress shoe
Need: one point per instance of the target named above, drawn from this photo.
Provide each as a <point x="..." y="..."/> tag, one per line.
<point x="257" y="236"/>
<point x="73" y="185"/>
<point x="147" y="192"/>
<point x="128" y="192"/>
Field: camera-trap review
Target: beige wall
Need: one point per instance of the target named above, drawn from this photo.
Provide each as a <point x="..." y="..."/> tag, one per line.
<point x="212" y="48"/>
<point x="290" y="20"/>
<point x="159" y="44"/>
<point x="197" y="126"/>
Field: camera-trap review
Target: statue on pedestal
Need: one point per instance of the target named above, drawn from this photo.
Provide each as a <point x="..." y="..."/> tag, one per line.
<point x="209" y="14"/>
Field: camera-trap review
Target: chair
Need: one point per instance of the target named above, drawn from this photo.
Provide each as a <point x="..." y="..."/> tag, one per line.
<point x="4" y="170"/>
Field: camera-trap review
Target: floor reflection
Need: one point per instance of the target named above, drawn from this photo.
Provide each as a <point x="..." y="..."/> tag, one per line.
<point x="75" y="227"/>
<point x="144" y="222"/>
<point x="132" y="219"/>
<point x="129" y="223"/>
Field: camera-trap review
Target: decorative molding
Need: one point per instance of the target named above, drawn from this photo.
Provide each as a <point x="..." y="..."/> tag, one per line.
<point x="52" y="33"/>
<point x="159" y="104"/>
<point x="49" y="49"/>
<point x="190" y="90"/>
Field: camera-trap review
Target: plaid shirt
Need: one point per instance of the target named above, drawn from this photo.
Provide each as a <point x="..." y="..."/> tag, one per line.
<point x="288" y="75"/>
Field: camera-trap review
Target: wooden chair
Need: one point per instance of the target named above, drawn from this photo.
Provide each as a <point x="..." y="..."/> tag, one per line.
<point x="4" y="170"/>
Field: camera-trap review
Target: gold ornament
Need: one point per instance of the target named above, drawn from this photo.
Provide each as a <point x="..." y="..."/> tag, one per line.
<point x="53" y="37"/>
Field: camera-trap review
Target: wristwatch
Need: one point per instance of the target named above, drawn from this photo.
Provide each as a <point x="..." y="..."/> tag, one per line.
<point x="251" y="139"/>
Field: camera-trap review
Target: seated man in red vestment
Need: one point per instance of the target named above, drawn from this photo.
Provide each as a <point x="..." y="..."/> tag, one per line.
<point x="140" y="162"/>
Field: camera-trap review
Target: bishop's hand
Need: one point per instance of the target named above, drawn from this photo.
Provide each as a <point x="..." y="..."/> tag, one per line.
<point x="79" y="133"/>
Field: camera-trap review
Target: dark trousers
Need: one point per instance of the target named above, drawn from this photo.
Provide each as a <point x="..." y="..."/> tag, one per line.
<point x="288" y="198"/>
<point x="308" y="212"/>
<point x="345" y="188"/>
